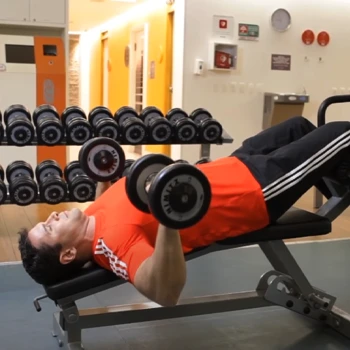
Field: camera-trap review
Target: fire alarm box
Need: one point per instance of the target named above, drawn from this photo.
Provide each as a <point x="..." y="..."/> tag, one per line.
<point x="222" y="56"/>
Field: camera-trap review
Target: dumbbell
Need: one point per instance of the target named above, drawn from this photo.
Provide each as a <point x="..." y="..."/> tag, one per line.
<point x="52" y="187"/>
<point x="185" y="130"/>
<point x="102" y="159"/>
<point x="133" y="129"/>
<point x="81" y="188"/>
<point x="49" y="128"/>
<point x="78" y="129"/>
<point x="128" y="164"/>
<point x="3" y="188"/>
<point x="22" y="187"/>
<point x="1" y="129"/>
<point x="159" y="129"/>
<point x="203" y="161"/>
<point x="179" y="194"/>
<point x="19" y="127"/>
<point x="209" y="129"/>
<point x="103" y="123"/>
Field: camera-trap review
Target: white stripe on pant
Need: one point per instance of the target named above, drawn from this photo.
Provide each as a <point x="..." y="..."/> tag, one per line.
<point x="296" y="175"/>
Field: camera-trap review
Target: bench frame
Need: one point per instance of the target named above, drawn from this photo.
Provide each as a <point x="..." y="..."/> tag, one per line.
<point x="286" y="286"/>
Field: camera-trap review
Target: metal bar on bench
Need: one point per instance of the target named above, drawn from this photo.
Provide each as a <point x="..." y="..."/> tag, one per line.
<point x="334" y="207"/>
<point x="339" y="320"/>
<point x="126" y="314"/>
<point x="73" y="337"/>
<point x="283" y="261"/>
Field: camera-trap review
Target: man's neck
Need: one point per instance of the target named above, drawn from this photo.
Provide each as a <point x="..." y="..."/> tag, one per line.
<point x="86" y="249"/>
<point x="90" y="229"/>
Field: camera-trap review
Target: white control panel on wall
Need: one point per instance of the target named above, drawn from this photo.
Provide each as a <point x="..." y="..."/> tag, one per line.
<point x="198" y="67"/>
<point x="281" y="20"/>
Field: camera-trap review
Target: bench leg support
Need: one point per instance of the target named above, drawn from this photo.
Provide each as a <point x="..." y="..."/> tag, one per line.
<point x="68" y="339"/>
<point x="288" y="287"/>
<point x="285" y="286"/>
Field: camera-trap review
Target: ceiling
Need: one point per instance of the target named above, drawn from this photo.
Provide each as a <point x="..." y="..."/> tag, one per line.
<point x="86" y="14"/>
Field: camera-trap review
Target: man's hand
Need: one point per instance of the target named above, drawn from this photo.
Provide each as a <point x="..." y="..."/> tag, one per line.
<point x="162" y="277"/>
<point x="101" y="188"/>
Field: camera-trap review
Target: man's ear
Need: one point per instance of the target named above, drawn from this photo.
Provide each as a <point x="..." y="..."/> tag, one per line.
<point x="68" y="255"/>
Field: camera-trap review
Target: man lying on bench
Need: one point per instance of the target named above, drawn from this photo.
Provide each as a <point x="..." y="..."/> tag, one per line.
<point x="251" y="188"/>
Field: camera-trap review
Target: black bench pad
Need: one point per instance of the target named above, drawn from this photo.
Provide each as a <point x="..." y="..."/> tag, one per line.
<point x="295" y="223"/>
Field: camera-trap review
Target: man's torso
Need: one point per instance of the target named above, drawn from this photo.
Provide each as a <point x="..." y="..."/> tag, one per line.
<point x="237" y="207"/>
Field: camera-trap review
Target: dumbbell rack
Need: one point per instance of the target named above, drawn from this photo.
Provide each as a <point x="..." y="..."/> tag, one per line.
<point x="38" y="201"/>
<point x="205" y="147"/>
<point x="204" y="152"/>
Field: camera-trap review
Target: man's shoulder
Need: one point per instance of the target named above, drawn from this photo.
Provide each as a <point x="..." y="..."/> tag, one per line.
<point x="118" y="235"/>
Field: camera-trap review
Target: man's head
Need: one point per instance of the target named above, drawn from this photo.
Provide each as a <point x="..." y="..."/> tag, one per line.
<point x="55" y="249"/>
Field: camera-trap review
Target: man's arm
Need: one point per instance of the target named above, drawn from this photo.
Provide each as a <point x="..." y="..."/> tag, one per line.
<point x="101" y="188"/>
<point x="162" y="276"/>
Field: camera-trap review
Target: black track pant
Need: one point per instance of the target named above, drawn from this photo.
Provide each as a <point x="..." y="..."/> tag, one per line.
<point x="291" y="157"/>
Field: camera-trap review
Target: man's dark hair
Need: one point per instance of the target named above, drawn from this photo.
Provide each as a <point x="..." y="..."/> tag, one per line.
<point x="43" y="264"/>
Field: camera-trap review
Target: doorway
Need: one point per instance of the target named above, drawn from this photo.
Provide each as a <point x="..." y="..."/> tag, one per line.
<point x="139" y="67"/>
<point x="138" y="73"/>
<point x="105" y="70"/>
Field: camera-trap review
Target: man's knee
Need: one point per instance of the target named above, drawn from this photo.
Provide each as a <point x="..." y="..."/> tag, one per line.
<point x="300" y="120"/>
<point x="302" y="123"/>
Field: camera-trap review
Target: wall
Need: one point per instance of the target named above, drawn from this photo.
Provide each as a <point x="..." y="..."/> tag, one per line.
<point x="90" y="54"/>
<point x="74" y="71"/>
<point x="240" y="109"/>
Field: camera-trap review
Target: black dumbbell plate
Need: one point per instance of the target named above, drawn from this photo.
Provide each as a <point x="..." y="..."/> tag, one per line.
<point x="180" y="196"/>
<point x="139" y="173"/>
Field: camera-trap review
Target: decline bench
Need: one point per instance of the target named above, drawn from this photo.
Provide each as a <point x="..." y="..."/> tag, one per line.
<point x="285" y="285"/>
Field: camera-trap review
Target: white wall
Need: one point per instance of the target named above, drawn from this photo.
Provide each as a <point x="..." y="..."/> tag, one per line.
<point x="241" y="112"/>
<point x="86" y="42"/>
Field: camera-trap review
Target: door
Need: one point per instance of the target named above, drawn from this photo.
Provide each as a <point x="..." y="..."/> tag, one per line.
<point x="105" y="60"/>
<point x="14" y="10"/>
<point x="138" y="79"/>
<point x="169" y="62"/>
<point x="47" y="11"/>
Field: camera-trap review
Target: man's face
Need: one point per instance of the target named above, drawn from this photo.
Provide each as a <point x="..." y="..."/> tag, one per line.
<point x="66" y="228"/>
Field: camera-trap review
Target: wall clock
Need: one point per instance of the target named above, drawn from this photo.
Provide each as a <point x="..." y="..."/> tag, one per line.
<point x="281" y="20"/>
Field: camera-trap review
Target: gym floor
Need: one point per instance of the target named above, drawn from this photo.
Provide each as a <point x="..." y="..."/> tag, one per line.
<point x="325" y="262"/>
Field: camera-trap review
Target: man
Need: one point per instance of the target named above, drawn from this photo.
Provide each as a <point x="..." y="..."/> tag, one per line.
<point x="251" y="188"/>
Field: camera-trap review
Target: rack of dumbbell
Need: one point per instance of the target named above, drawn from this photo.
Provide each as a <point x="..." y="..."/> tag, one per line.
<point x="48" y="183"/>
